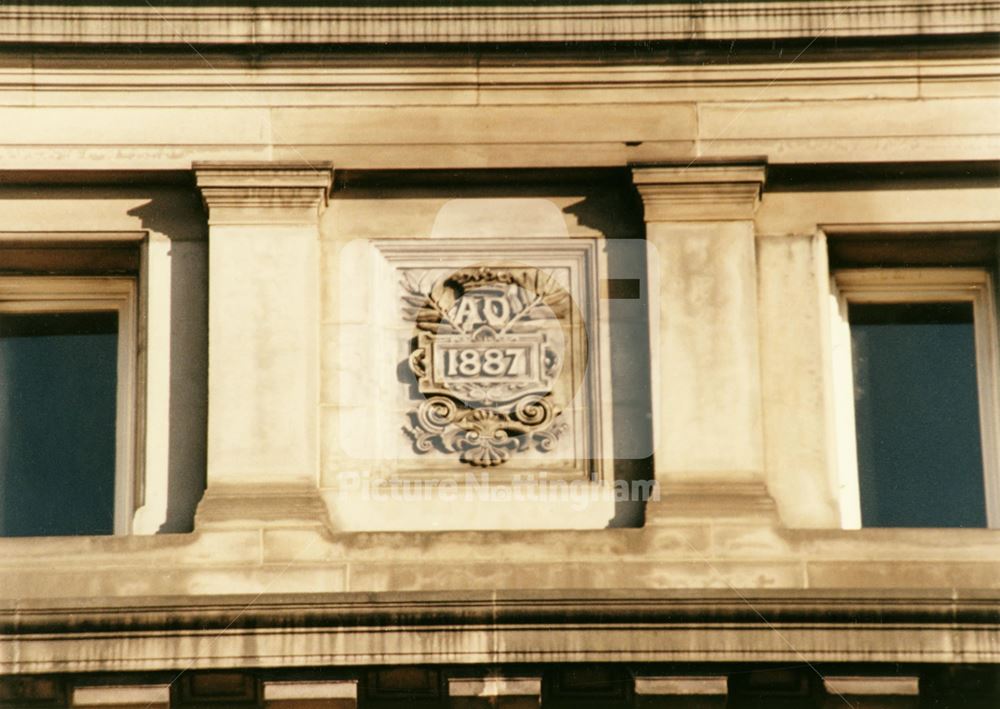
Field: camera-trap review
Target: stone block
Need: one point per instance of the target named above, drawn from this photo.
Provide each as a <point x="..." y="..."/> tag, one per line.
<point x="446" y="125"/>
<point x="731" y="541"/>
<point x="153" y="696"/>
<point x="903" y="574"/>
<point x="494" y="692"/>
<point x="326" y="694"/>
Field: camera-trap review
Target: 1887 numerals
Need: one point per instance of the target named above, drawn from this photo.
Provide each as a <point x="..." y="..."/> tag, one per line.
<point x="493" y="362"/>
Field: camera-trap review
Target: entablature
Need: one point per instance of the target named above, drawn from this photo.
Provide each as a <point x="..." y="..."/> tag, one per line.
<point x="276" y="23"/>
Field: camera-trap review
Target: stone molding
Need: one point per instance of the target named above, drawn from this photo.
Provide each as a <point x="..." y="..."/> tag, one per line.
<point x="22" y="22"/>
<point x="263" y="193"/>
<point x="721" y="500"/>
<point x="703" y="625"/>
<point x="699" y="192"/>
<point x="259" y="507"/>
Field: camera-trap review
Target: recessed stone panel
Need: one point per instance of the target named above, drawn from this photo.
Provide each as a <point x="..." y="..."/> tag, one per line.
<point x="485" y="364"/>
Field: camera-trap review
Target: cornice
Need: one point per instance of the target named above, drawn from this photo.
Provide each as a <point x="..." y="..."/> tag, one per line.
<point x="506" y="607"/>
<point x="706" y="625"/>
<point x="268" y="193"/>
<point x="716" y="192"/>
<point x="311" y="72"/>
<point x="267" y="24"/>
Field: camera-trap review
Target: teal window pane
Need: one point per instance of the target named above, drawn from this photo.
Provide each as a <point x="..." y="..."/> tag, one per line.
<point x="916" y="401"/>
<point x="58" y="390"/>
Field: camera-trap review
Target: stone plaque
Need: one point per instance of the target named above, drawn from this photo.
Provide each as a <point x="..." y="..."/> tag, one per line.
<point x="487" y="356"/>
<point x="477" y="356"/>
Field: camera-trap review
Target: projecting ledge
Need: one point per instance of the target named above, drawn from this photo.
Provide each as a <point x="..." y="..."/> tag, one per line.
<point x="263" y="193"/>
<point x="499" y="627"/>
<point x="703" y="191"/>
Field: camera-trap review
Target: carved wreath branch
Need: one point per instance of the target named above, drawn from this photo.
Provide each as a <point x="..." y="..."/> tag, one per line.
<point x="430" y="309"/>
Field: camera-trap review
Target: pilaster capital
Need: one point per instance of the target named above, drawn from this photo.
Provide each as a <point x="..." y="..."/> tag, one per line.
<point x="700" y="192"/>
<point x="263" y="193"/>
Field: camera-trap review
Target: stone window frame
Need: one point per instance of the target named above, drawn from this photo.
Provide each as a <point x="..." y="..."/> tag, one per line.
<point x="68" y="288"/>
<point x="975" y="285"/>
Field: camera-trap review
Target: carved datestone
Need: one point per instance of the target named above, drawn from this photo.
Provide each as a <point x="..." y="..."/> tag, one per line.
<point x="474" y="359"/>
<point x="487" y="355"/>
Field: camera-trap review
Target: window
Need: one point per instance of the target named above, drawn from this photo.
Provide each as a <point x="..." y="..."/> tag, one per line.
<point x="67" y="403"/>
<point x="915" y="360"/>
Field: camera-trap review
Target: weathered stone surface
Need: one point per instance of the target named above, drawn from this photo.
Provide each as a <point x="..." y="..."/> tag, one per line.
<point x="794" y="348"/>
<point x="556" y="22"/>
<point x="903" y="574"/>
<point x="666" y="140"/>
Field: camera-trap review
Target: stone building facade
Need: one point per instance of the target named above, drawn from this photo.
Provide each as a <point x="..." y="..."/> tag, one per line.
<point x="465" y="355"/>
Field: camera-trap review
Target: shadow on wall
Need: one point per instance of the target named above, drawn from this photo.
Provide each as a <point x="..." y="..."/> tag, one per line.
<point x="616" y="213"/>
<point x="179" y="216"/>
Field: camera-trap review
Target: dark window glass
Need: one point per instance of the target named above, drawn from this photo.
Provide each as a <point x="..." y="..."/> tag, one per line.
<point x="917" y="414"/>
<point x="58" y="385"/>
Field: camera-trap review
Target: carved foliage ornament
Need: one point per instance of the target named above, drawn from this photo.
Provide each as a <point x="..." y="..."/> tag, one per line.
<point x="486" y="357"/>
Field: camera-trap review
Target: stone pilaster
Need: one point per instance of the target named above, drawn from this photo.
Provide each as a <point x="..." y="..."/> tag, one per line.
<point x="263" y="347"/>
<point x="708" y="440"/>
